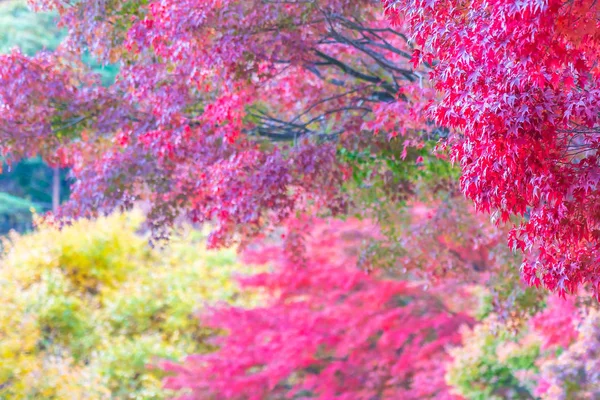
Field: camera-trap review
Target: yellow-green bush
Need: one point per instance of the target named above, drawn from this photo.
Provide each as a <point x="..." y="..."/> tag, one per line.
<point x="84" y="310"/>
<point x="494" y="365"/>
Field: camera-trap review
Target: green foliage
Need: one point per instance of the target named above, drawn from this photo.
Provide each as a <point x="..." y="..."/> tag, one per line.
<point x="14" y="205"/>
<point x="31" y="180"/>
<point x="523" y="302"/>
<point x="15" y="212"/>
<point x="418" y="166"/>
<point x="25" y="186"/>
<point x="87" y="308"/>
<point x="494" y="365"/>
<point x="382" y="179"/>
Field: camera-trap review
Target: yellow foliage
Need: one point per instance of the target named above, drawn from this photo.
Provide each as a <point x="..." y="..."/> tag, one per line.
<point x="85" y="309"/>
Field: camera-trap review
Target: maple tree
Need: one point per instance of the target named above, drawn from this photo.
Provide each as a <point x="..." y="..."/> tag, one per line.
<point x="519" y="86"/>
<point x="236" y="112"/>
<point x="326" y="330"/>
<point x="217" y="119"/>
<point x="224" y="111"/>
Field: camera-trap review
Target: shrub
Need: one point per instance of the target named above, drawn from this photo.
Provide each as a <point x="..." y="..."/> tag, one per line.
<point x="87" y="308"/>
